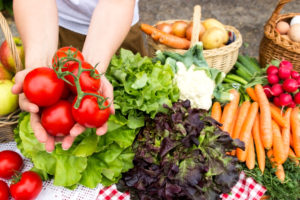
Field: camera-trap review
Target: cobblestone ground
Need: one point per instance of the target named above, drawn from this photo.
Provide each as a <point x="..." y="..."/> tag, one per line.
<point x="248" y="16"/>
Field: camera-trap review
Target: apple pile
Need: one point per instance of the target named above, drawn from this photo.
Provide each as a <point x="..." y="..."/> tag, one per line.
<point x="283" y="87"/>
<point x="9" y="101"/>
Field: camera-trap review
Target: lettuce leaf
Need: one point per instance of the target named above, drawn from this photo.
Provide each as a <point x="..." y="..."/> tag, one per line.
<point x="91" y="159"/>
<point x="141" y="86"/>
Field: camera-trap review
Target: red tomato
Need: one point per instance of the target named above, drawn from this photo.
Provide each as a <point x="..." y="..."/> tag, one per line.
<point x="87" y="82"/>
<point x="42" y="86"/>
<point x="4" y="191"/>
<point x="66" y="92"/>
<point x="89" y="114"/>
<point x="10" y="163"/>
<point x="57" y="119"/>
<point x="63" y="52"/>
<point x="28" y="187"/>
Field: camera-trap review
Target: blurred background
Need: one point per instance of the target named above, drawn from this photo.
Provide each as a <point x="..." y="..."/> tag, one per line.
<point x="248" y="16"/>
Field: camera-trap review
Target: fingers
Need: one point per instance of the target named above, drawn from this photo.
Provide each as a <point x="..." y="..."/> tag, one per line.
<point x="50" y="144"/>
<point x="39" y="132"/>
<point x="76" y="130"/>
<point x="67" y="142"/>
<point x="102" y="130"/>
<point x="108" y="91"/>
<point x="19" y="79"/>
<point x="27" y="105"/>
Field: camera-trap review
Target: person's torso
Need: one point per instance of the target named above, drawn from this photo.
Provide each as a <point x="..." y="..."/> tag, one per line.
<point x="75" y="15"/>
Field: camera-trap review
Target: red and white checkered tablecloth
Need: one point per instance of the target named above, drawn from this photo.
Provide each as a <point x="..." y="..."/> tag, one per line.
<point x="245" y="189"/>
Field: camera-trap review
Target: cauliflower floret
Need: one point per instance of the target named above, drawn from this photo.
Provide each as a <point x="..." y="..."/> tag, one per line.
<point x="194" y="85"/>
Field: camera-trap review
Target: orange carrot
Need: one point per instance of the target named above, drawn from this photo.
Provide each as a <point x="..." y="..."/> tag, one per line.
<point x="234" y="121"/>
<point x="293" y="157"/>
<point x="216" y="111"/>
<point x="148" y="28"/>
<point x="174" y="41"/>
<point x="277" y="143"/>
<point x="277" y="116"/>
<point x="250" y="91"/>
<point x="243" y="111"/>
<point x="245" y="133"/>
<point x="279" y="168"/>
<point x="230" y="111"/>
<point x="286" y="134"/>
<point x="241" y="116"/>
<point x="295" y="125"/>
<point x="265" y="117"/>
<point x="291" y="139"/>
<point x="260" y="151"/>
<point x="165" y="38"/>
<point x="250" y="159"/>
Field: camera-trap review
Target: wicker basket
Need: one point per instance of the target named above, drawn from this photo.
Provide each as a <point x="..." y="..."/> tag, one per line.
<point x="275" y="46"/>
<point x="7" y="123"/>
<point x="221" y="58"/>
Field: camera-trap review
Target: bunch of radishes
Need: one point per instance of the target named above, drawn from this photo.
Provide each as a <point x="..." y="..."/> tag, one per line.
<point x="283" y="86"/>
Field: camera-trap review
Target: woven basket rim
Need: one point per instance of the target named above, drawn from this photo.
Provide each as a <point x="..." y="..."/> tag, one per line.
<point x="271" y="33"/>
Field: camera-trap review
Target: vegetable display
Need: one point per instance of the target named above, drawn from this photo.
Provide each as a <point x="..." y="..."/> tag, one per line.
<point x="141" y="88"/>
<point x="182" y="155"/>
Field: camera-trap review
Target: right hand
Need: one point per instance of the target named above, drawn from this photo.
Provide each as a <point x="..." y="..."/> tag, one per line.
<point x="35" y="120"/>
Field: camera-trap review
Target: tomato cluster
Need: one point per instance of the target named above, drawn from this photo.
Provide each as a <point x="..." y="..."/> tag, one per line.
<point x="67" y="93"/>
<point x="24" y="186"/>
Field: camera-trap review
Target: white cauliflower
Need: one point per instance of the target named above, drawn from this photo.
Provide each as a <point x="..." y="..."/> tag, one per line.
<point x="194" y="85"/>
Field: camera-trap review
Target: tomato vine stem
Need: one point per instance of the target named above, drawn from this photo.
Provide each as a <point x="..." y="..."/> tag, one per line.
<point x="58" y="67"/>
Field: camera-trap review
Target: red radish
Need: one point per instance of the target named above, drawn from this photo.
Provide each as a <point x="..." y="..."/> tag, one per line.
<point x="267" y="90"/>
<point x="273" y="79"/>
<point x="295" y="74"/>
<point x="297" y="98"/>
<point x="284" y="73"/>
<point x="292" y="105"/>
<point x="290" y="85"/>
<point x="272" y="70"/>
<point x="286" y="64"/>
<point x="285" y="99"/>
<point x="298" y="80"/>
<point x="276" y="101"/>
<point x="277" y="89"/>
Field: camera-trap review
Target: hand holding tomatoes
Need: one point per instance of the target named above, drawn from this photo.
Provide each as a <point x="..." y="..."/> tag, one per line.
<point x="46" y="88"/>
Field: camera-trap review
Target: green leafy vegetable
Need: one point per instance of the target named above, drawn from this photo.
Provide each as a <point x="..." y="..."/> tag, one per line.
<point x="140" y="86"/>
<point x="288" y="190"/>
<point x="182" y="155"/>
<point x="91" y="159"/>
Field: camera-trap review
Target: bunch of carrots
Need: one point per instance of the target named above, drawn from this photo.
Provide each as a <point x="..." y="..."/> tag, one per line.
<point x="263" y="127"/>
<point x="165" y="38"/>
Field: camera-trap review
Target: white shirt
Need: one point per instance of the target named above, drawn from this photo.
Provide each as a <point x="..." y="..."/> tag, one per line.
<point x="75" y="15"/>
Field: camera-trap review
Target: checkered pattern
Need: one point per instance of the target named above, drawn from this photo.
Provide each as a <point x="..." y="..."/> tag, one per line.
<point x="245" y="189"/>
<point x="111" y="193"/>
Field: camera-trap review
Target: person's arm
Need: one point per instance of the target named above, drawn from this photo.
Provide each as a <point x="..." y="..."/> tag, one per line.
<point x="37" y="24"/>
<point x="110" y="23"/>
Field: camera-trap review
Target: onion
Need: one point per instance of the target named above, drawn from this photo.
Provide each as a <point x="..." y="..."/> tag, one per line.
<point x="179" y="28"/>
<point x="164" y="27"/>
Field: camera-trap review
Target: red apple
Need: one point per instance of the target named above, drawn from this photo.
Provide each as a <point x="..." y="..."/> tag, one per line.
<point x="4" y="74"/>
<point x="6" y="55"/>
